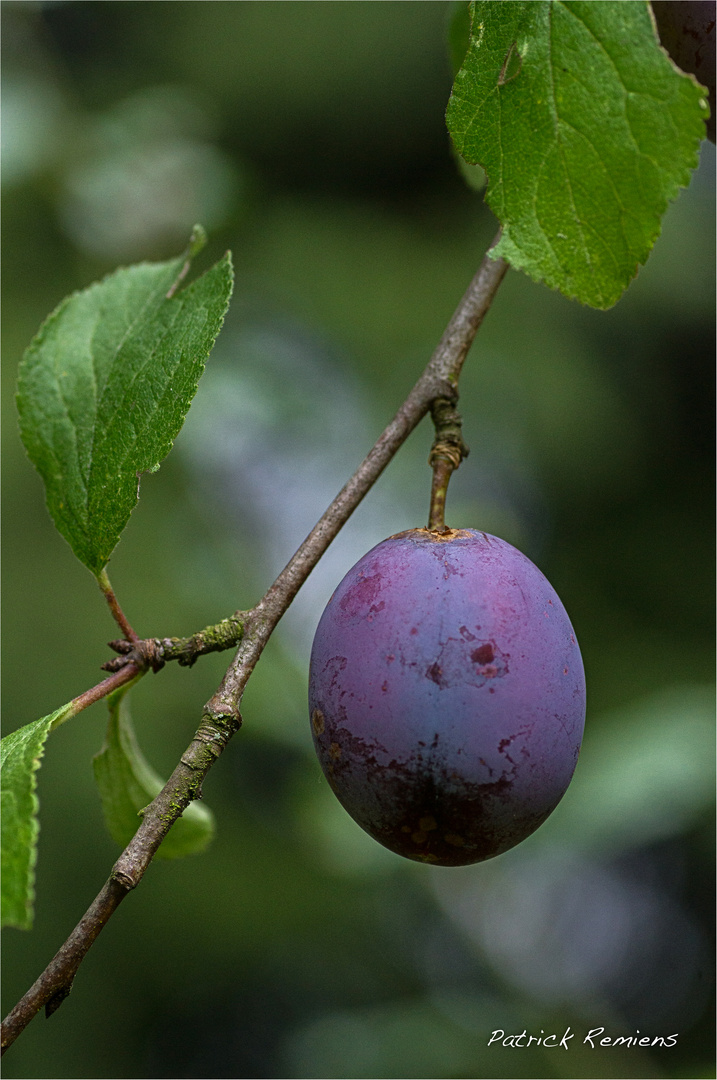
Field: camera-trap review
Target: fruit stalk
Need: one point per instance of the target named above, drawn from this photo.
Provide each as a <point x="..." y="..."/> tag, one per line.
<point x="446" y="454"/>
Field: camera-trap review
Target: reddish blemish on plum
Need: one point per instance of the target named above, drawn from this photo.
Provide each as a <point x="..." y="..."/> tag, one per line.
<point x="362" y="594"/>
<point x="483" y="655"/>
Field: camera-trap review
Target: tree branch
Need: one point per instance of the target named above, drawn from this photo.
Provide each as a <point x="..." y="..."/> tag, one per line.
<point x="55" y="983"/>
<point x="222" y="717"/>
<point x="439" y="379"/>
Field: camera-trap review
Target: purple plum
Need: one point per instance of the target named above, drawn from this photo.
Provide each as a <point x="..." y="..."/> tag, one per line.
<point x="447" y="695"/>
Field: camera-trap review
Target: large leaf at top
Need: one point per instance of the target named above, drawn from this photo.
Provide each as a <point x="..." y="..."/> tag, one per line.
<point x="104" y="389"/>
<point x="586" y="131"/>
<point x="127" y="784"/>
<point x="20" y="754"/>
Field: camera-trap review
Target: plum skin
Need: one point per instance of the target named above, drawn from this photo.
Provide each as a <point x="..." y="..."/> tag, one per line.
<point x="447" y="695"/>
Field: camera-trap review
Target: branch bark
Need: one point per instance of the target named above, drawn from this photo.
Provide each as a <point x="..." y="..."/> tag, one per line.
<point x="156" y="652"/>
<point x="222" y="717"/>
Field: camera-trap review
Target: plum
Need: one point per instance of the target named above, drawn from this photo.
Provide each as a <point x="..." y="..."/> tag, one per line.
<point x="447" y="695"/>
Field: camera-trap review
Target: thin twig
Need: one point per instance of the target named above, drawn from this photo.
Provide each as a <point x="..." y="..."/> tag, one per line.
<point x="156" y="652"/>
<point x="222" y="717"/>
<point x="106" y="687"/>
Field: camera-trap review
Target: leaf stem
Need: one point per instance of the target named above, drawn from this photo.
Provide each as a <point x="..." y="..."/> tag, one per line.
<point x="103" y="689"/>
<point x="222" y="717"/>
<point x="117" y="613"/>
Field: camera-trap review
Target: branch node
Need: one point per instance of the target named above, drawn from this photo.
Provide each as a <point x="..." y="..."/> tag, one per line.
<point x="56" y="1000"/>
<point x="125" y="880"/>
<point x="152" y="653"/>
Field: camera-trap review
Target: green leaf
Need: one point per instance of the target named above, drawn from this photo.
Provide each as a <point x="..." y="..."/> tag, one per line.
<point x="20" y="754"/>
<point x="127" y="784"/>
<point x="105" y="386"/>
<point x="586" y="131"/>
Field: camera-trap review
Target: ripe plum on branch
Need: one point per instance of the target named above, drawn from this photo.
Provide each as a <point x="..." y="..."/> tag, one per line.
<point x="447" y="695"/>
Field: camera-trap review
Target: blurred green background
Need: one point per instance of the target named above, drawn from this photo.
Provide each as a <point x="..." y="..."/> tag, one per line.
<point x="309" y="138"/>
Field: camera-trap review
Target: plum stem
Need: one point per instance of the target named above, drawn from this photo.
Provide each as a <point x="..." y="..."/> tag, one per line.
<point x="446" y="454"/>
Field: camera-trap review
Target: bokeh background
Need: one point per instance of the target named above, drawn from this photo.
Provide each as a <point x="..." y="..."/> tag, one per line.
<point x="309" y="138"/>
